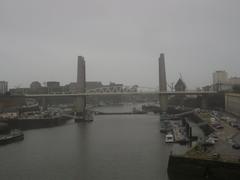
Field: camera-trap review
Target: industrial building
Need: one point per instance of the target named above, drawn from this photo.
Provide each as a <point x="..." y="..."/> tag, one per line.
<point x="232" y="103"/>
<point x="3" y="87"/>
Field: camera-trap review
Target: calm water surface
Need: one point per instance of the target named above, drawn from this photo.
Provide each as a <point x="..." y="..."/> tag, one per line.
<point x="125" y="147"/>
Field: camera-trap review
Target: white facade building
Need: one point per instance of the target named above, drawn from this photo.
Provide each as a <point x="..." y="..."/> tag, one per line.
<point x="220" y="77"/>
<point x="3" y="87"/>
<point x="234" y="80"/>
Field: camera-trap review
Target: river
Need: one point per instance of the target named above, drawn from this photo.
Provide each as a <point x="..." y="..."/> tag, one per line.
<point x="112" y="147"/>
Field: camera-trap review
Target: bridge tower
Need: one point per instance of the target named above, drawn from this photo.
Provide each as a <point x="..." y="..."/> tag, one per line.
<point x="81" y="86"/>
<point x="163" y="99"/>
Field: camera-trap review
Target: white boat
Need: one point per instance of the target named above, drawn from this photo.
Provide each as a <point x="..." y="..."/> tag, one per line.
<point x="169" y="138"/>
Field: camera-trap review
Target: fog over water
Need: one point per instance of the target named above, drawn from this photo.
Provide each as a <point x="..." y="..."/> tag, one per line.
<point x="120" y="40"/>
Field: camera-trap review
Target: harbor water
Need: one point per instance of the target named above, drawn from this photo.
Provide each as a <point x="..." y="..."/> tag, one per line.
<point x="111" y="147"/>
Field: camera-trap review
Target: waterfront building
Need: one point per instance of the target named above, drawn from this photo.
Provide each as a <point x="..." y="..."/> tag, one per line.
<point x="21" y="91"/>
<point x="53" y="84"/>
<point x="232" y="103"/>
<point x="234" y="80"/>
<point x="71" y="87"/>
<point x="35" y="85"/>
<point x="3" y="87"/>
<point x="93" y="84"/>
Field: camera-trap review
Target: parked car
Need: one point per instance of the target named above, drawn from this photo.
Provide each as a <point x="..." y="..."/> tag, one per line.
<point x="219" y="126"/>
<point x="236" y="146"/>
<point x="234" y="124"/>
<point x="210" y="141"/>
<point x="214" y="137"/>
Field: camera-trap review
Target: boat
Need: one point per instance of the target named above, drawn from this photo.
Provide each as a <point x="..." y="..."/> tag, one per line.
<point x="13" y="136"/>
<point x="87" y="117"/>
<point x="169" y="138"/>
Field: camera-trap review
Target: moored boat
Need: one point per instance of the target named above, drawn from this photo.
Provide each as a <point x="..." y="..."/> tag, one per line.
<point x="13" y="136"/>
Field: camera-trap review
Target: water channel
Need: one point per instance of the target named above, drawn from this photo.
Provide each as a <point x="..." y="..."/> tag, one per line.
<point x="112" y="147"/>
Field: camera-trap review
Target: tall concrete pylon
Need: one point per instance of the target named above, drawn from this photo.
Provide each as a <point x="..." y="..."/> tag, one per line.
<point x="162" y="83"/>
<point x="81" y="74"/>
<point x="81" y="85"/>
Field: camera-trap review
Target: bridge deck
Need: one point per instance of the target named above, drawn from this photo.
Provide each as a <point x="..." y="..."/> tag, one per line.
<point x="124" y="93"/>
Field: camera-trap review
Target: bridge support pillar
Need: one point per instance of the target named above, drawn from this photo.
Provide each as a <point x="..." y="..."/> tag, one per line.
<point x="204" y="102"/>
<point x="44" y="103"/>
<point x="162" y="83"/>
<point x="163" y="102"/>
<point x="80" y="105"/>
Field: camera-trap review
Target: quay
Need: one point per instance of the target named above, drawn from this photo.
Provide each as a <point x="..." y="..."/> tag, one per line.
<point x="214" y="156"/>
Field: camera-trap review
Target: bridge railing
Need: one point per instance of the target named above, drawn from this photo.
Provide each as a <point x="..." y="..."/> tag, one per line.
<point x="127" y="93"/>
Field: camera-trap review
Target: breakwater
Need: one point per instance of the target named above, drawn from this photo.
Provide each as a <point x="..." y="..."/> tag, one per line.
<point x="31" y="123"/>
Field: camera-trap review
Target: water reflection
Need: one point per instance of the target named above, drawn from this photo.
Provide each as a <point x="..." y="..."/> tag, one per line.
<point x="112" y="147"/>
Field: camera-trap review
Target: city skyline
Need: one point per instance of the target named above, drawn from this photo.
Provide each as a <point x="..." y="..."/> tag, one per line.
<point x="43" y="83"/>
<point x="197" y="39"/>
<point x="129" y="89"/>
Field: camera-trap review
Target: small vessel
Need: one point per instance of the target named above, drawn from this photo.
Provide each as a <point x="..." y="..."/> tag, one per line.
<point x="87" y="117"/>
<point x="169" y="138"/>
<point x="13" y="136"/>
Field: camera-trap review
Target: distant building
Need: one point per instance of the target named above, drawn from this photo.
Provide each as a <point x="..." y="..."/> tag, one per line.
<point x="112" y="84"/>
<point x="180" y="85"/>
<point x="207" y="88"/>
<point x="71" y="87"/>
<point x="35" y="85"/>
<point x="220" y="77"/>
<point x="222" y="87"/>
<point x="53" y="84"/>
<point x="21" y="91"/>
<point x="220" y="81"/>
<point x="3" y="87"/>
<point x="234" y="80"/>
<point x="93" y="85"/>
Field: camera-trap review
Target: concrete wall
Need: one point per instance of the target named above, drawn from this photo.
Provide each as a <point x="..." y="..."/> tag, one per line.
<point x="232" y="103"/>
<point x="180" y="167"/>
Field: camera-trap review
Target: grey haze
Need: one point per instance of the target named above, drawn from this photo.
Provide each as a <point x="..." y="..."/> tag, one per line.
<point x="121" y="40"/>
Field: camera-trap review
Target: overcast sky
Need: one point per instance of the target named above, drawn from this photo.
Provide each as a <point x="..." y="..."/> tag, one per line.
<point x="121" y="40"/>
